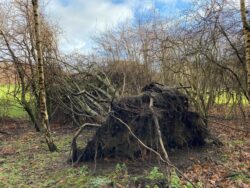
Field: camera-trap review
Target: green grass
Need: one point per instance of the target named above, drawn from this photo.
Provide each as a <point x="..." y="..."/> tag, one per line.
<point x="9" y="105"/>
<point x="26" y="162"/>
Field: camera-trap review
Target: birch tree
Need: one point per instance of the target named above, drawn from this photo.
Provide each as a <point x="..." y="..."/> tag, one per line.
<point x="41" y="83"/>
<point x="246" y="32"/>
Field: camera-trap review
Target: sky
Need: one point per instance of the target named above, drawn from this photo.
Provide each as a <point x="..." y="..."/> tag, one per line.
<point x="80" y="20"/>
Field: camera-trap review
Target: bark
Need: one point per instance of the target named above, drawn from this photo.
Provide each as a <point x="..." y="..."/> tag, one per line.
<point x="246" y="31"/>
<point x="41" y="83"/>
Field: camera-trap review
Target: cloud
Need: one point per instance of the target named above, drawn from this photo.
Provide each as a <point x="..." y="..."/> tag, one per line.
<point x="81" y="19"/>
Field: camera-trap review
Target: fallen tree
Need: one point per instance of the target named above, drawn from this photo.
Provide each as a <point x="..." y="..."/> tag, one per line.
<point x="159" y="117"/>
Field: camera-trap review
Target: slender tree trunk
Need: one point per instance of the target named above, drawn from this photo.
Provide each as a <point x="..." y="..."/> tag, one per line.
<point x="41" y="82"/>
<point x="246" y="31"/>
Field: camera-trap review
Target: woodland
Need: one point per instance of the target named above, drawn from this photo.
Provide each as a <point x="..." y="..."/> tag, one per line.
<point x="159" y="102"/>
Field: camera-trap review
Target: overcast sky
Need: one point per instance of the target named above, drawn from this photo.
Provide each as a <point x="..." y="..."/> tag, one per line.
<point x="81" y="19"/>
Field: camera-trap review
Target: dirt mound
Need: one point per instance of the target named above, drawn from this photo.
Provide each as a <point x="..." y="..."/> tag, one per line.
<point x="179" y="126"/>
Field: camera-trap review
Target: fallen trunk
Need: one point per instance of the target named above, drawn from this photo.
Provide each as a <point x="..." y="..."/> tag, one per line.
<point x="179" y="127"/>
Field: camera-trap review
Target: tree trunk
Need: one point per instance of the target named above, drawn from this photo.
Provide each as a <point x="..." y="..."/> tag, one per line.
<point x="41" y="83"/>
<point x="246" y="31"/>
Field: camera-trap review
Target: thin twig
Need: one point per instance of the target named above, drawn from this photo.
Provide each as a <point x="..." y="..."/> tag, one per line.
<point x="158" y="130"/>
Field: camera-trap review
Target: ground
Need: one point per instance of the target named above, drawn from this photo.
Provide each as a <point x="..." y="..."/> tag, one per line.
<point x="26" y="162"/>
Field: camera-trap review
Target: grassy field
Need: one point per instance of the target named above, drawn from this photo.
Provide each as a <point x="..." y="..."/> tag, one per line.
<point x="9" y="105"/>
<point x="230" y="99"/>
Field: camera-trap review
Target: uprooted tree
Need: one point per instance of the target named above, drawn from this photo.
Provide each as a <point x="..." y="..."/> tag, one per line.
<point x="158" y="114"/>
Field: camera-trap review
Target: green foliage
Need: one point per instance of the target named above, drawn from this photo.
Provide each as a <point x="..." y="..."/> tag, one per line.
<point x="175" y="181"/>
<point x="121" y="168"/>
<point x="120" y="174"/>
<point x="99" y="182"/>
<point x="155" y="174"/>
